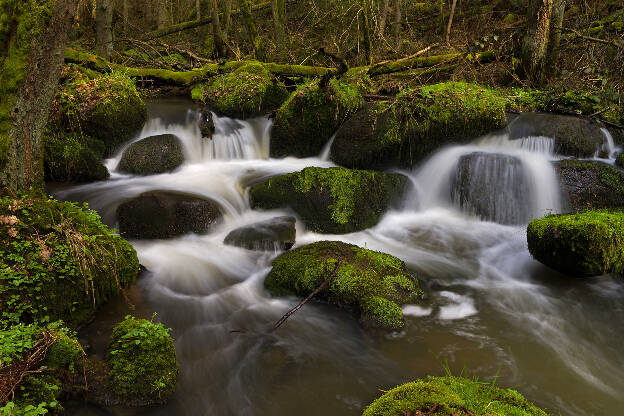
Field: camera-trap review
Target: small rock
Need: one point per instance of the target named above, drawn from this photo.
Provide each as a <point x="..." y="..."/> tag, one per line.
<point x="275" y="234"/>
<point x="152" y="155"/>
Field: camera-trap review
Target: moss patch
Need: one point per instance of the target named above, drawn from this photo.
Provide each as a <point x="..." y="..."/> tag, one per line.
<point x="375" y="283"/>
<point x="449" y="396"/>
<point x="620" y="160"/>
<point x="58" y="262"/>
<point x="334" y="200"/>
<point x="248" y="91"/>
<point x="586" y="244"/>
<point x="143" y="365"/>
<point x="404" y="131"/>
<point x="312" y="114"/>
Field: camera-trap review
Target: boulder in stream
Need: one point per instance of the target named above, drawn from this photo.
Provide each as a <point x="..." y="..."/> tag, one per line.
<point x="492" y="186"/>
<point x="582" y="245"/>
<point x="590" y="185"/>
<point x="573" y="136"/>
<point x="375" y="283"/>
<point x="152" y="155"/>
<point x="275" y="234"/>
<point x="404" y="131"/>
<point x="166" y="214"/>
<point x="332" y="200"/>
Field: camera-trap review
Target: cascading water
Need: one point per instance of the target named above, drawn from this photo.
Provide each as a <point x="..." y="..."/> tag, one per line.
<point x="489" y="308"/>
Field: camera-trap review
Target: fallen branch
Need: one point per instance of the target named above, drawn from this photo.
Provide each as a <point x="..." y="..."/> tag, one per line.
<point x="316" y="291"/>
<point x="590" y="38"/>
<point x="426" y="61"/>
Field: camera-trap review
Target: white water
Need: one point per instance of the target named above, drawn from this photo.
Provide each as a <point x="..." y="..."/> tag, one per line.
<point x="489" y="307"/>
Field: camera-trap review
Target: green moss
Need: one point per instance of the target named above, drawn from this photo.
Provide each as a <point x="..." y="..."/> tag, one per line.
<point x="620" y="160"/>
<point x="447" y="396"/>
<point x="21" y="22"/>
<point x="375" y="283"/>
<point x="107" y="108"/>
<point x="65" y="351"/>
<point x="142" y="360"/>
<point x="312" y="114"/>
<point x="585" y="244"/>
<point x="248" y="91"/>
<point x="58" y="262"/>
<point x="404" y="131"/>
<point x="334" y="200"/>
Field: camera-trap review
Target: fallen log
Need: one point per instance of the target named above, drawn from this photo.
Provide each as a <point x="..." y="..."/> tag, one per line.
<point x="426" y="61"/>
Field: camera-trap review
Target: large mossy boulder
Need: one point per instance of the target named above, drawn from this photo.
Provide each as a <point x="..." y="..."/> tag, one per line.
<point x="374" y="283"/>
<point x="278" y="233"/>
<point x="332" y="200"/>
<point x="58" y="262"/>
<point x="152" y="155"/>
<point x="590" y="185"/>
<point x="248" y="91"/>
<point x="419" y="121"/>
<point x="108" y="108"/>
<point x="34" y="363"/>
<point x="583" y="245"/>
<point x="451" y="396"/>
<point x="143" y="364"/>
<point x="68" y="157"/>
<point x="166" y="214"/>
<point x="573" y="136"/>
<point x="313" y="113"/>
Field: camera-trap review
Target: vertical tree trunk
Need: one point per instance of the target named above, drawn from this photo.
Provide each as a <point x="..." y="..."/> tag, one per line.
<point x="220" y="46"/>
<point x="535" y="45"/>
<point x="383" y="17"/>
<point x="368" y="47"/>
<point x="552" y="55"/>
<point x="198" y="10"/>
<point x="125" y="16"/>
<point x="279" y="13"/>
<point x="28" y="103"/>
<point x="104" y="28"/>
<point x="250" y="24"/>
<point x="450" y="22"/>
<point x="228" y="19"/>
<point x="162" y="13"/>
<point x="397" y="24"/>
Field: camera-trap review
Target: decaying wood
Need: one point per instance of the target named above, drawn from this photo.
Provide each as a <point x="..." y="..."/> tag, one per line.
<point x="315" y="292"/>
<point x="426" y="61"/>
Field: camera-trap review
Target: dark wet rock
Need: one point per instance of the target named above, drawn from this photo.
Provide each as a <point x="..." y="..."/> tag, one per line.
<point x="166" y="214"/>
<point x="590" y="185"/>
<point x="574" y="136"/>
<point x="152" y="155"/>
<point x="276" y="233"/>
<point x="206" y="123"/>
<point x="493" y="187"/>
<point x="375" y="283"/>
<point x="404" y="131"/>
<point x="619" y="161"/>
<point x="333" y="200"/>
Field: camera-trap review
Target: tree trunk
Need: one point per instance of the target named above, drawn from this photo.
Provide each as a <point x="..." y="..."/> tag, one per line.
<point x="250" y="24"/>
<point x="104" y="28"/>
<point x="30" y="100"/>
<point x="220" y="46"/>
<point x="397" y="24"/>
<point x="198" y="10"/>
<point x="279" y="12"/>
<point x="450" y="22"/>
<point x="125" y="16"/>
<point x="552" y="55"/>
<point x="384" y="17"/>
<point x="366" y="32"/>
<point x="162" y="13"/>
<point x="228" y="19"/>
<point x="535" y="45"/>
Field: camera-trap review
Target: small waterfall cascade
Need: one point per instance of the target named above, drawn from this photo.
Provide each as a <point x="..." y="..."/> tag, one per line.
<point x="237" y="139"/>
<point x="609" y="144"/>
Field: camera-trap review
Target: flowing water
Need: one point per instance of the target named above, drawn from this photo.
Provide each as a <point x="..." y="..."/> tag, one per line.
<point x="491" y="310"/>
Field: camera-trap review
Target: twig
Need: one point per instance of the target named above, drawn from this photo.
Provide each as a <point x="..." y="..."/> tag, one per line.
<point x="590" y="38"/>
<point x="316" y="291"/>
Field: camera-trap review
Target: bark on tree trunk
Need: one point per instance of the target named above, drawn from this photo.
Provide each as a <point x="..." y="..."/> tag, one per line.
<point x="162" y="13"/>
<point x="198" y="10"/>
<point x="279" y="12"/>
<point x="368" y="47"/>
<point x="450" y="22"/>
<point x="250" y="24"/>
<point x="384" y="17"/>
<point x="220" y="46"/>
<point x="552" y="55"/>
<point x="397" y="24"/>
<point x="228" y="19"/>
<point x="23" y="171"/>
<point x="104" y="28"/>
<point x="535" y="45"/>
<point x="125" y="16"/>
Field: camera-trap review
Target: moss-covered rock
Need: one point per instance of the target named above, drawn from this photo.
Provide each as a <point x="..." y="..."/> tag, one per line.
<point x="333" y="200"/>
<point x="449" y="396"/>
<point x="418" y="122"/>
<point x="48" y="354"/>
<point x="108" y="108"/>
<point x="573" y="136"/>
<point x="152" y="155"/>
<point x="312" y="114"/>
<point x="248" y="91"/>
<point x="375" y="283"/>
<point x="68" y="157"/>
<point x="166" y="214"/>
<point x="58" y="262"/>
<point x="143" y="364"/>
<point x="586" y="244"/>
<point x="590" y="185"/>
<point x="276" y="233"/>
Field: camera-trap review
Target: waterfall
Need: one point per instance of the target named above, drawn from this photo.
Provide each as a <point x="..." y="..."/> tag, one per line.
<point x="609" y="145"/>
<point x="236" y="139"/>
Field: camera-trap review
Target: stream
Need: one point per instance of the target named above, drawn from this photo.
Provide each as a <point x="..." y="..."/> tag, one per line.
<point x="491" y="311"/>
